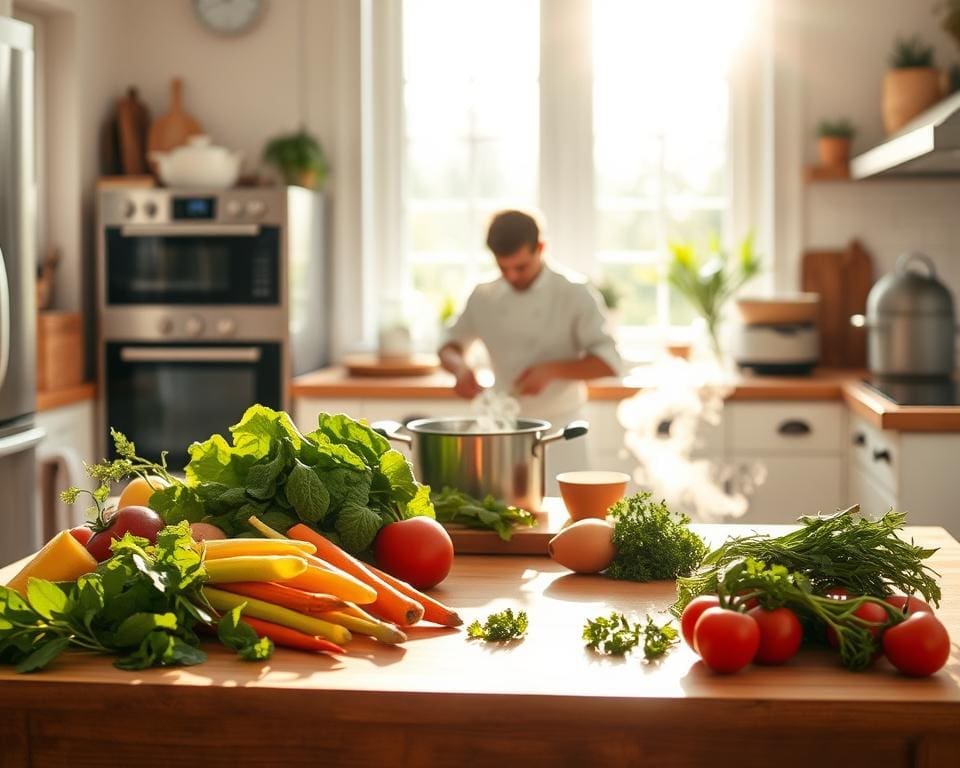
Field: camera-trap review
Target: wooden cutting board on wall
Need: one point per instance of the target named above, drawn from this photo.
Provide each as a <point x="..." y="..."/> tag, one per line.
<point x="843" y="279"/>
<point x="175" y="127"/>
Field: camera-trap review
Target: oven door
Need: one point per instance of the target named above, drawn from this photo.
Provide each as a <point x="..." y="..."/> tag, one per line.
<point x="166" y="396"/>
<point x="192" y="264"/>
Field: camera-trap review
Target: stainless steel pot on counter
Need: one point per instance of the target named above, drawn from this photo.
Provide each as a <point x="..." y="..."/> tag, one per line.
<point x="910" y="322"/>
<point x="507" y="464"/>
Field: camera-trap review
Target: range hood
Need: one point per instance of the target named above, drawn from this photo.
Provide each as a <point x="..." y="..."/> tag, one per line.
<point x="929" y="145"/>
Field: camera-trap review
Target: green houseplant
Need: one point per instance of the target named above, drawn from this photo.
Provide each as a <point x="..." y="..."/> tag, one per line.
<point x="911" y="84"/>
<point x="833" y="142"/>
<point x="299" y="157"/>
<point x="709" y="279"/>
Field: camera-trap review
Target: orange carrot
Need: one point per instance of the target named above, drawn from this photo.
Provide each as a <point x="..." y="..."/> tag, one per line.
<point x="390" y="605"/>
<point x="310" y="603"/>
<point x="433" y="609"/>
<point x="291" y="638"/>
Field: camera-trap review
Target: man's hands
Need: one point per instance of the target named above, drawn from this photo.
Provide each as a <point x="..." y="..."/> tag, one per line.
<point x="534" y="379"/>
<point x="467" y="385"/>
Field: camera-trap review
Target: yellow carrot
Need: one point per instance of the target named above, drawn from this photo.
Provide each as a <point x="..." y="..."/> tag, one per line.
<point x="254" y="568"/>
<point x="217" y="548"/>
<point x="225" y="601"/>
<point x="265" y="529"/>
<point x="379" y="630"/>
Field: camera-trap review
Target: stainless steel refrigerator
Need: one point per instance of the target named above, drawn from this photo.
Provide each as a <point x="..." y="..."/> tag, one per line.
<point x="19" y="434"/>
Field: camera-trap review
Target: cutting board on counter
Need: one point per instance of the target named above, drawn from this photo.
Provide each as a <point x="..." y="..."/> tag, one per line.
<point x="525" y="541"/>
<point x="373" y="365"/>
<point x="843" y="279"/>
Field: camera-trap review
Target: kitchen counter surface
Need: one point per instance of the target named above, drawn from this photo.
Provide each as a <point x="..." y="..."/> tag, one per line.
<point x="442" y="700"/>
<point x="824" y="384"/>
<point x="57" y="398"/>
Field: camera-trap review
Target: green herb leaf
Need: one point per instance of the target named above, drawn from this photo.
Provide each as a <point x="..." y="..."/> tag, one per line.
<point x="43" y="655"/>
<point x="137" y="626"/>
<point x="45" y="597"/>
<point x="358" y="526"/>
<point x="499" y="627"/>
<point x="240" y="636"/>
<point x="308" y="496"/>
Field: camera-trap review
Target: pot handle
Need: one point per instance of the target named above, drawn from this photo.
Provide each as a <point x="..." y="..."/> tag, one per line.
<point x="903" y="261"/>
<point x="391" y="431"/>
<point x="573" y="429"/>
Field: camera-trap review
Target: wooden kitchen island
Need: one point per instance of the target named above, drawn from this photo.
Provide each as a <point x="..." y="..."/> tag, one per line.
<point x="445" y="701"/>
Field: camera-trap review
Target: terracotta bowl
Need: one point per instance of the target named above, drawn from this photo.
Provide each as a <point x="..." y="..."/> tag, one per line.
<point x="591" y="493"/>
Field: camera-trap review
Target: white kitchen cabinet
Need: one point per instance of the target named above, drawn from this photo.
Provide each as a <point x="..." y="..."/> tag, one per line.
<point x="800" y="445"/>
<point x="69" y="443"/>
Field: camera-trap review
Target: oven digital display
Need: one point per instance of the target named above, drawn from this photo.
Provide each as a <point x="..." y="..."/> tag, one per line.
<point x="192" y="208"/>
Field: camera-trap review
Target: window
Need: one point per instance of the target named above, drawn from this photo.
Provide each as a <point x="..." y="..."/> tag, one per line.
<point x="491" y="104"/>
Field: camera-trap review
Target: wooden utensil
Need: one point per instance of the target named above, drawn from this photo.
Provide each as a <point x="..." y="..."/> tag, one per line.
<point x="175" y="127"/>
<point x="133" y="122"/>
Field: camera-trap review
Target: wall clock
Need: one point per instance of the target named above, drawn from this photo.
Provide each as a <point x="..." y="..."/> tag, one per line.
<point x="228" y="17"/>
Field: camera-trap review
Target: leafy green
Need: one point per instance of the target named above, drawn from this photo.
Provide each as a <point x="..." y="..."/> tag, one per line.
<point x="453" y="506"/>
<point x="839" y="550"/>
<point x="616" y="635"/>
<point x="499" y="627"/>
<point x="239" y="636"/>
<point x="651" y="542"/>
<point x="142" y="604"/>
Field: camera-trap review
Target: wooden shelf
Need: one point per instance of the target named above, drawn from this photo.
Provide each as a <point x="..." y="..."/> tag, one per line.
<point x="825" y="173"/>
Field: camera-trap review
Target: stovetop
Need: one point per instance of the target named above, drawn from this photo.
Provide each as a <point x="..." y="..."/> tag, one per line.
<point x="918" y="391"/>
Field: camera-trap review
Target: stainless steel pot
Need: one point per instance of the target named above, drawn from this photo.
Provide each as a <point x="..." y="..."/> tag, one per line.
<point x="910" y="322"/>
<point x="509" y="465"/>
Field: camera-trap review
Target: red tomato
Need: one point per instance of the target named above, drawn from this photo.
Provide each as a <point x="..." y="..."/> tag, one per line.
<point x="140" y="521"/>
<point x="751" y="603"/>
<point x="871" y="612"/>
<point x="82" y="533"/>
<point x="837" y="593"/>
<point x="908" y="605"/>
<point x="780" y="634"/>
<point x="726" y="640"/>
<point x="418" y="551"/>
<point x="688" y="619"/>
<point x="917" y="646"/>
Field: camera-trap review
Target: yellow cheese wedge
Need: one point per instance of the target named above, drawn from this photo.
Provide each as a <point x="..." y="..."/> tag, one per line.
<point x="63" y="558"/>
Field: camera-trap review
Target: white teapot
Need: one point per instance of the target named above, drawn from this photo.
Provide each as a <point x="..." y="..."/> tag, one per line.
<point x="198" y="164"/>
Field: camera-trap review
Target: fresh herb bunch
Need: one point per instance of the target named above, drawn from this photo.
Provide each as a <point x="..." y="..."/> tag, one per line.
<point x="909" y="52"/>
<point x="839" y="550"/>
<point x="651" y="542"/>
<point x="142" y="604"/>
<point x="840" y="128"/>
<point x="499" y="627"/>
<point x="453" y="506"/>
<point x="616" y="635"/>
<point x="775" y="586"/>
<point x="343" y="479"/>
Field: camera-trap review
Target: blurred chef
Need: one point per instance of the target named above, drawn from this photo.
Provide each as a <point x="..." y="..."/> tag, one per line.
<point x="544" y="331"/>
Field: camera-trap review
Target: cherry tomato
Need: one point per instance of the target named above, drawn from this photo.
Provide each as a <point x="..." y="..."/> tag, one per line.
<point x="917" y="646"/>
<point x="837" y="593"/>
<point x="688" y="619"/>
<point x="780" y="634"/>
<point x="871" y="612"/>
<point x="418" y="551"/>
<point x="140" y="521"/>
<point x="908" y="605"/>
<point x="726" y="640"/>
<point x="82" y="533"/>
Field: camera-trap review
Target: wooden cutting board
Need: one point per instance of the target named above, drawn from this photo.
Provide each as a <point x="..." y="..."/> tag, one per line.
<point x="858" y="280"/>
<point x="372" y="365"/>
<point x="133" y="125"/>
<point x="173" y="128"/>
<point x="525" y="541"/>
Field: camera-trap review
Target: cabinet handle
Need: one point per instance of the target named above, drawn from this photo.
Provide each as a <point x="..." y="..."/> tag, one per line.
<point x="794" y="428"/>
<point x="663" y="428"/>
<point x="859" y="439"/>
<point x="882" y="455"/>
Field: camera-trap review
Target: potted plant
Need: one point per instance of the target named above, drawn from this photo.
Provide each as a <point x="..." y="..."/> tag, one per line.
<point x="299" y="157"/>
<point x="709" y="280"/>
<point x="833" y="142"/>
<point x="911" y="84"/>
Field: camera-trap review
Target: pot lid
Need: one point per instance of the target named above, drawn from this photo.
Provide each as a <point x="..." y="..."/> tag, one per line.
<point x="908" y="292"/>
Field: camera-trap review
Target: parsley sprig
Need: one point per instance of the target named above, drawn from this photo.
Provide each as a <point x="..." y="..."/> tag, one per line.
<point x="616" y="635"/>
<point x="499" y="627"/>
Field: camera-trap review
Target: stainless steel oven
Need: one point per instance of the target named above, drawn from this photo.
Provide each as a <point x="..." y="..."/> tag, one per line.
<point x="209" y="302"/>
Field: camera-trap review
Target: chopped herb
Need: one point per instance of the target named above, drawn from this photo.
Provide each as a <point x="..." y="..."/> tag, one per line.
<point x="453" y="506"/>
<point x="616" y="635"/>
<point x="500" y="627"/>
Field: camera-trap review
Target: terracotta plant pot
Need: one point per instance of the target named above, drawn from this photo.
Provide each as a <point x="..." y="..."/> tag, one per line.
<point x="907" y="92"/>
<point x="834" y="151"/>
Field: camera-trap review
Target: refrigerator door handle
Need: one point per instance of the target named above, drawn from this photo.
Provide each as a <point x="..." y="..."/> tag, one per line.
<point x="21" y="441"/>
<point x="4" y="320"/>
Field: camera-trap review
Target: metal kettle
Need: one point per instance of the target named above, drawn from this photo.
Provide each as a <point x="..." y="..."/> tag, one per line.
<point x="910" y="322"/>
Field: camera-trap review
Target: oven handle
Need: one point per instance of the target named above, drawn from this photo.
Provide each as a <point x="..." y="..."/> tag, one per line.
<point x="188" y="230"/>
<point x="190" y="354"/>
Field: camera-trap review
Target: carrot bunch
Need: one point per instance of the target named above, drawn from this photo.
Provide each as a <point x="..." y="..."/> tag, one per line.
<point x="305" y="592"/>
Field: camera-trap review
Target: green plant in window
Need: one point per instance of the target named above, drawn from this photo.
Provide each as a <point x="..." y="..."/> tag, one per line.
<point x="707" y="280"/>
<point x="299" y="157"/>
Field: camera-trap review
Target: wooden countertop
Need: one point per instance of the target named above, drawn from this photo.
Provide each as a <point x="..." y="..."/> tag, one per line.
<point x="824" y="384"/>
<point x="442" y="700"/>
<point x="57" y="398"/>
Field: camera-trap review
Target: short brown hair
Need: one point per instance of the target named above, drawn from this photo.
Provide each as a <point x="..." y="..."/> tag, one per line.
<point x="511" y="230"/>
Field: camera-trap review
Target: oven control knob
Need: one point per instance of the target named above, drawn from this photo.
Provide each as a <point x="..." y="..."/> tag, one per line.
<point x="234" y="209"/>
<point x="256" y="208"/>
<point x="165" y="326"/>
<point x="129" y="208"/>
<point x="193" y="325"/>
<point x="226" y="326"/>
<point x="150" y="208"/>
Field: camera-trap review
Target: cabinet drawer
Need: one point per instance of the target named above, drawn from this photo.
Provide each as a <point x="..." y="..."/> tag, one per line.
<point x="795" y="486"/>
<point x="864" y="489"/>
<point x="785" y="427"/>
<point x="876" y="452"/>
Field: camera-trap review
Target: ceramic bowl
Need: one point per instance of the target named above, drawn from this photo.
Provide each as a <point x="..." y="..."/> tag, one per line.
<point x="591" y="493"/>
<point x="784" y="309"/>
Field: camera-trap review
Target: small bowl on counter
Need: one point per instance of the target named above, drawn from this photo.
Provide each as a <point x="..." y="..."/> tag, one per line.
<point x="590" y="493"/>
<point x="783" y="309"/>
